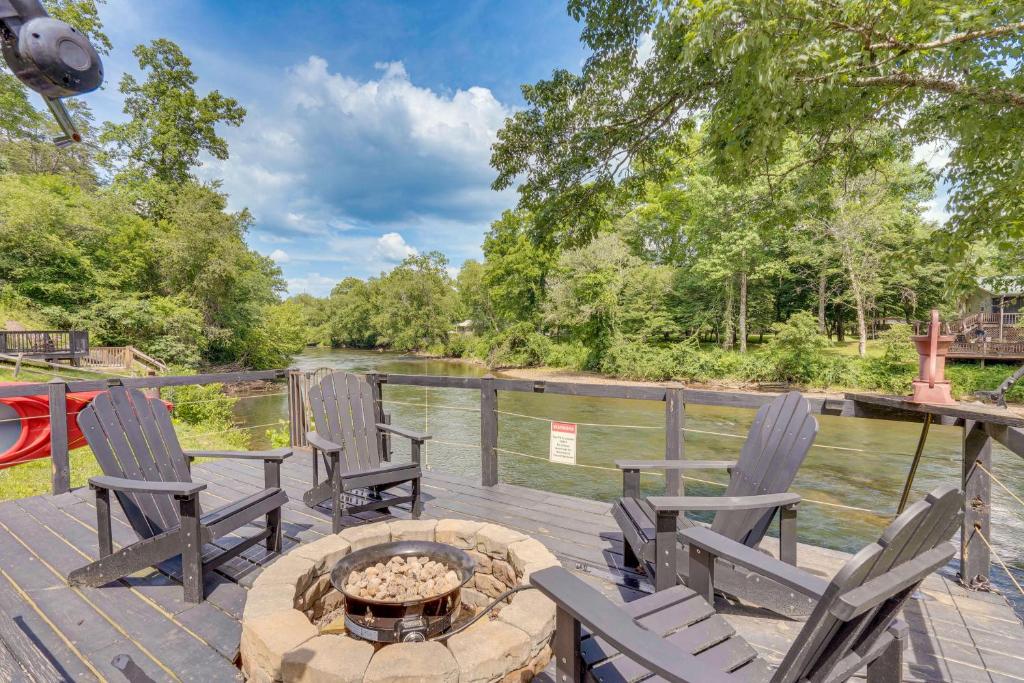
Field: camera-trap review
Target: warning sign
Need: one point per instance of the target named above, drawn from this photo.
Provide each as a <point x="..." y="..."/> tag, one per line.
<point x="563" y="443"/>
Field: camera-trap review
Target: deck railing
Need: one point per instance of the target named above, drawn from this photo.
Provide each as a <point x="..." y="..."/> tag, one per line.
<point x="127" y="358"/>
<point x="71" y="344"/>
<point x="980" y="427"/>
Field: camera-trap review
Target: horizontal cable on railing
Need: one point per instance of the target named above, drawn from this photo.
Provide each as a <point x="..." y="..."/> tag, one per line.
<point x="243" y="428"/>
<point x="659" y="427"/>
<point x="431" y="405"/>
<point x="1001" y="484"/>
<point x="457" y="444"/>
<point x="228" y="398"/>
<point x="999" y="559"/>
<point x="685" y="477"/>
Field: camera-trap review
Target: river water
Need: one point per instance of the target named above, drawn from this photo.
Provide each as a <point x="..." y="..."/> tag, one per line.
<point x="854" y="474"/>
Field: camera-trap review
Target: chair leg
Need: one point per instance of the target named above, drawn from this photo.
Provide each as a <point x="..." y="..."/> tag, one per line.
<point x="888" y="668"/>
<point x="106" y="544"/>
<point x="568" y="663"/>
<point x="665" y="550"/>
<point x="787" y="534"/>
<point x="417" y="504"/>
<point x="275" y="539"/>
<point x="337" y="508"/>
<point x="629" y="558"/>
<point x="191" y="549"/>
<point x="701" y="575"/>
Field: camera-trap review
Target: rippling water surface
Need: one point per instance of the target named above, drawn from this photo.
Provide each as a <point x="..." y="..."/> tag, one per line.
<point x="855" y="472"/>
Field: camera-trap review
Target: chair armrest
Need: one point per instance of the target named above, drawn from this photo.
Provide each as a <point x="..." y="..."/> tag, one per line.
<point x="587" y="606"/>
<point x="682" y="503"/>
<point x="786" y="574"/>
<point x="321" y="444"/>
<point x="401" y="431"/>
<point x="675" y="464"/>
<point x="176" y="488"/>
<point x="276" y="455"/>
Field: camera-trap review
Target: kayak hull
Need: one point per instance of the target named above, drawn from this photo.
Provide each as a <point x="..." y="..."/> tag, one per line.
<point x="25" y="426"/>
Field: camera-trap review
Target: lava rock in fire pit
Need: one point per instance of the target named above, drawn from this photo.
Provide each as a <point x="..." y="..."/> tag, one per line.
<point x="402" y="579"/>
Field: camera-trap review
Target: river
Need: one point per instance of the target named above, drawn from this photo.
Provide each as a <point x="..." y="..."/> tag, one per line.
<point x="854" y="473"/>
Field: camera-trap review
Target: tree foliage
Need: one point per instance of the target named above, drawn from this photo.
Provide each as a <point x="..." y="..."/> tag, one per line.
<point x="169" y="124"/>
<point x="756" y="73"/>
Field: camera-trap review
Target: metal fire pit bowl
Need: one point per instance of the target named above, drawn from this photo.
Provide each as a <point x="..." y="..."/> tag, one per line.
<point x="382" y="621"/>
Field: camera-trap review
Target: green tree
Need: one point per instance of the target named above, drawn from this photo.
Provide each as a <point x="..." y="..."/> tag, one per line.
<point x="757" y="72"/>
<point x="170" y="125"/>
<point x="349" y="308"/>
<point x="474" y="296"/>
<point x="515" y="268"/>
<point x="415" y="304"/>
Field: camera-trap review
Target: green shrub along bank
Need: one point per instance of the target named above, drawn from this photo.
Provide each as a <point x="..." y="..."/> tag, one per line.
<point x="796" y="354"/>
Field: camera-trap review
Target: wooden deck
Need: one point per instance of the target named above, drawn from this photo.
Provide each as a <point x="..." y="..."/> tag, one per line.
<point x="957" y="635"/>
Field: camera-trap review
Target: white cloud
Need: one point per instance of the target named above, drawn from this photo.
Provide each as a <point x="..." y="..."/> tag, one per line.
<point x="312" y="283"/>
<point x="393" y="247"/>
<point x="324" y="152"/>
<point x="280" y="256"/>
<point x="935" y="155"/>
<point x="644" y="48"/>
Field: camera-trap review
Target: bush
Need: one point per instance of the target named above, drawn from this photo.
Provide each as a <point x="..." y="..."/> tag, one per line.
<point x="570" y="355"/>
<point x="635" y="360"/>
<point x="205" y="405"/>
<point x="457" y="346"/>
<point x="519" y="346"/>
<point x="897" y="346"/>
<point x="797" y="348"/>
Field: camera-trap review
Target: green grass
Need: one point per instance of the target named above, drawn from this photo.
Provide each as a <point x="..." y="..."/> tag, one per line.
<point x="849" y="348"/>
<point x="33" y="478"/>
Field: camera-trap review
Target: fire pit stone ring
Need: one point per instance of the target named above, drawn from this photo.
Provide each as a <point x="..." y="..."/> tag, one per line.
<point x="292" y="623"/>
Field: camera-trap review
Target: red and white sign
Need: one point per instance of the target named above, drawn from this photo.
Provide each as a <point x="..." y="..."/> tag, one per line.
<point x="563" y="443"/>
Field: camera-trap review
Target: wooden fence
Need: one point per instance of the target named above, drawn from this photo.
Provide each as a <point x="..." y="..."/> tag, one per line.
<point x="47" y="344"/>
<point x="981" y="426"/>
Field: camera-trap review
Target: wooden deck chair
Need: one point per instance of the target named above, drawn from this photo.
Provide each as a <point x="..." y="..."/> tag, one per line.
<point x="677" y="636"/>
<point x="349" y="437"/>
<point x="777" y="443"/>
<point x="135" y="445"/>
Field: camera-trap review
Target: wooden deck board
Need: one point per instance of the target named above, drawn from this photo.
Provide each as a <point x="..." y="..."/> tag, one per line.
<point x="956" y="635"/>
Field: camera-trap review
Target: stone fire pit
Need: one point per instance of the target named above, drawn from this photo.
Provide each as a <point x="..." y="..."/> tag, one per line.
<point x="281" y="639"/>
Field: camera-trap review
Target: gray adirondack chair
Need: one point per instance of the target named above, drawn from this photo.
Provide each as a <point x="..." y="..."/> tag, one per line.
<point x="677" y="636"/>
<point x="349" y="437"/>
<point x="143" y="464"/>
<point x="778" y="441"/>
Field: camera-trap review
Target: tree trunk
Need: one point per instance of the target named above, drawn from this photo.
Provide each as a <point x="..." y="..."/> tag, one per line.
<point x="743" y="313"/>
<point x="822" y="289"/>
<point x="840" y="327"/>
<point x="862" y="328"/>
<point x="727" y="321"/>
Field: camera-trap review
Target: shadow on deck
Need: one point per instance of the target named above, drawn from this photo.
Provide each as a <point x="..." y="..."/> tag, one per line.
<point x="956" y="635"/>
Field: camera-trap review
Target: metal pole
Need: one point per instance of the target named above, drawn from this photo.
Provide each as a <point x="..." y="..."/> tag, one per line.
<point x="913" y="465"/>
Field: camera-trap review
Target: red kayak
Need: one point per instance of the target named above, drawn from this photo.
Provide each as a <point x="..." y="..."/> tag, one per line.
<point x="25" y="426"/>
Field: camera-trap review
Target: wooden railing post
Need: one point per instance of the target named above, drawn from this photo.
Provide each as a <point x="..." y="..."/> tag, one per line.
<point x="674" y="417"/>
<point x="977" y="485"/>
<point x="488" y="431"/>
<point x="298" y="422"/>
<point x="60" y="466"/>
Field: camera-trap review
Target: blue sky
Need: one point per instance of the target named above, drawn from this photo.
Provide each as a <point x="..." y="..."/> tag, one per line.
<point x="370" y="123"/>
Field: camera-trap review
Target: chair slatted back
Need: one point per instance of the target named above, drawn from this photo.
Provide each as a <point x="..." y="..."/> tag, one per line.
<point x="344" y="412"/>
<point x="778" y="441"/>
<point x="897" y="563"/>
<point x="133" y="438"/>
